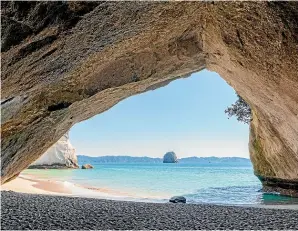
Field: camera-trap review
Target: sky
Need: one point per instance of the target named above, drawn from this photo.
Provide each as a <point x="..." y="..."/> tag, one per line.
<point x="187" y="117"/>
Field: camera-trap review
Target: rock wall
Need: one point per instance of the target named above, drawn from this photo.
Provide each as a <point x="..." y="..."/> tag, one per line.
<point x="60" y="155"/>
<point x="71" y="61"/>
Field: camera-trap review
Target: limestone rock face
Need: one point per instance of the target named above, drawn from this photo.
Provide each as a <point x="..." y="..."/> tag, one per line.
<point x="68" y="61"/>
<point x="170" y="157"/>
<point x="60" y="155"/>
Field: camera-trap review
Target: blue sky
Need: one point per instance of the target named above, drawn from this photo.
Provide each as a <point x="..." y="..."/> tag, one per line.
<point x="187" y="116"/>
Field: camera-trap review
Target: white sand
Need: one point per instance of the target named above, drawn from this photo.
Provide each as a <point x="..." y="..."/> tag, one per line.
<point x="26" y="185"/>
<point x="32" y="185"/>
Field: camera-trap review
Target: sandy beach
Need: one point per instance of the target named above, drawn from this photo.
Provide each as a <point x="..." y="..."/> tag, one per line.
<point x="24" y="184"/>
<point x="32" y="185"/>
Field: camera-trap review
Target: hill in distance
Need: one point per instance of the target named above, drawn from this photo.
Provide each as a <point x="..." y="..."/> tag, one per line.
<point x="133" y="159"/>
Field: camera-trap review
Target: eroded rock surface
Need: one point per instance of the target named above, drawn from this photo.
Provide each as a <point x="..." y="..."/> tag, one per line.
<point x="60" y="155"/>
<point x="71" y="61"/>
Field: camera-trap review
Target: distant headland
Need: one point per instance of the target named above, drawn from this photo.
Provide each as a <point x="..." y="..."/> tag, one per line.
<point x="145" y="159"/>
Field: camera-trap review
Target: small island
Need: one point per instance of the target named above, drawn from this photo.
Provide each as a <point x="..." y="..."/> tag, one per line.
<point x="170" y="157"/>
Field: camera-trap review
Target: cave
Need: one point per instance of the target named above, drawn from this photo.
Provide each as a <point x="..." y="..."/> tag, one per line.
<point x="67" y="64"/>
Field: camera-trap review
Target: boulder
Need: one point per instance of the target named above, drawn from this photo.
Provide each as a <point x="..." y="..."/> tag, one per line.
<point x="170" y="157"/>
<point x="87" y="166"/>
<point x="178" y="199"/>
<point x="60" y="155"/>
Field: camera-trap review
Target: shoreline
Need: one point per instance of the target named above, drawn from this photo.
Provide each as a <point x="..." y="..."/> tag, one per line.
<point x="43" y="212"/>
<point x="30" y="184"/>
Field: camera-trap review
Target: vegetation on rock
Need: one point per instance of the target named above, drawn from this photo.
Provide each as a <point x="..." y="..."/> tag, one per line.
<point x="241" y="110"/>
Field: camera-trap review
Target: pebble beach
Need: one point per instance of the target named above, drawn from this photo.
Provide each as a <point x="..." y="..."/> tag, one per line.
<point x="21" y="211"/>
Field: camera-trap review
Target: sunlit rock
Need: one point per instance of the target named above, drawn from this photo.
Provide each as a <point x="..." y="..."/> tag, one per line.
<point x="60" y="155"/>
<point x="87" y="166"/>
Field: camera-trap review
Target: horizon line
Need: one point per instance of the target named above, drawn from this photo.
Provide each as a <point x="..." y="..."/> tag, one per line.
<point x="162" y="157"/>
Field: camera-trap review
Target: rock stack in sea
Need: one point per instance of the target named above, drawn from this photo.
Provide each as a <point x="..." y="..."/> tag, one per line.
<point x="170" y="157"/>
<point x="60" y="155"/>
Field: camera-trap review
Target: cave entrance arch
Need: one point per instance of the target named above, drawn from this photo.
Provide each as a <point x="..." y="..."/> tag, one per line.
<point x="186" y="116"/>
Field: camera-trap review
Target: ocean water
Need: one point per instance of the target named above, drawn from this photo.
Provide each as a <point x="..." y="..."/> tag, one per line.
<point x="217" y="184"/>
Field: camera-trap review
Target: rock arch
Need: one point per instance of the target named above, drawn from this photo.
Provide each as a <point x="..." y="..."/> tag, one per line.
<point x="70" y="61"/>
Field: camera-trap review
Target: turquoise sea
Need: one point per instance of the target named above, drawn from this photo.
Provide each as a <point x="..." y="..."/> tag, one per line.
<point x="215" y="183"/>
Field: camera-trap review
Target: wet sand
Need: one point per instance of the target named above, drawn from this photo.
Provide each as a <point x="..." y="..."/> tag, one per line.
<point x="33" y="211"/>
<point x="30" y="184"/>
